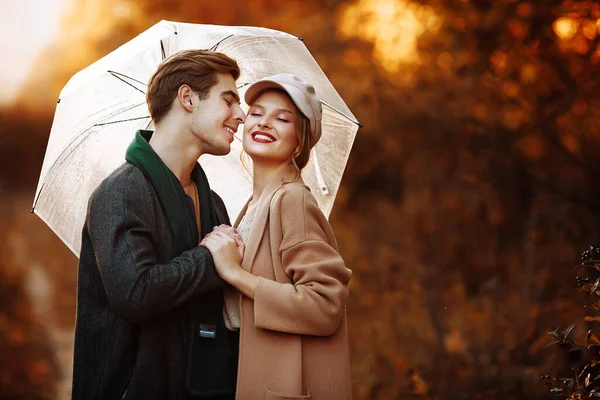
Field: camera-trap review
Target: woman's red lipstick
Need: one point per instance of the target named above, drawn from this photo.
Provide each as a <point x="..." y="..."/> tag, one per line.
<point x="262" y="140"/>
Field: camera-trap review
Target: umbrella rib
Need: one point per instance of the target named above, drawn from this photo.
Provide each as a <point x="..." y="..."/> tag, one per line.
<point x="119" y="77"/>
<point x="115" y="73"/>
<point x="122" y="120"/>
<point x="341" y="113"/>
<point x="319" y="175"/>
<point x="66" y="147"/>
<point x="162" y="50"/>
<point x="220" y="41"/>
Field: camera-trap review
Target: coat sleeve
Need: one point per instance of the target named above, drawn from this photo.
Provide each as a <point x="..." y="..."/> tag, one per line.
<point x="121" y="227"/>
<point x="314" y="302"/>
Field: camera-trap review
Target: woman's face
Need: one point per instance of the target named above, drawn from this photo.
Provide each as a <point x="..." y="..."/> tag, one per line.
<point x="270" y="129"/>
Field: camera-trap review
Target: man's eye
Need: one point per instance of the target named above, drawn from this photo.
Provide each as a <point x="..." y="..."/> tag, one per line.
<point x="228" y="102"/>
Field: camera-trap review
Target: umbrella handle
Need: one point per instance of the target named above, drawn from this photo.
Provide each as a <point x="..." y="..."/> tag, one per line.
<point x="320" y="180"/>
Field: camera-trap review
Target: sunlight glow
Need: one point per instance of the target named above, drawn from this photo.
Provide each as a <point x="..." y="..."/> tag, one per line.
<point x="393" y="26"/>
<point x="26" y="27"/>
<point x="565" y="28"/>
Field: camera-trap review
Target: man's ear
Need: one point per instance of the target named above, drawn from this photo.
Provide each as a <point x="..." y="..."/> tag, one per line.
<point x="185" y="95"/>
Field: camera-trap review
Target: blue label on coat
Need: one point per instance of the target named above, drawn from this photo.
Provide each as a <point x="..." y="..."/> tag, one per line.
<point x="207" y="331"/>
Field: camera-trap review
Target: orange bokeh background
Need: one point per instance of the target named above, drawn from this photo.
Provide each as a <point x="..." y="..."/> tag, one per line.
<point x="470" y="193"/>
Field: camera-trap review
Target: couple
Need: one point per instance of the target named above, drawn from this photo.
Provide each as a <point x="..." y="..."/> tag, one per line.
<point x="172" y="302"/>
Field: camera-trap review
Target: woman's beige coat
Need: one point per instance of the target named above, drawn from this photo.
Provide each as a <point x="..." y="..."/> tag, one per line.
<point x="293" y="340"/>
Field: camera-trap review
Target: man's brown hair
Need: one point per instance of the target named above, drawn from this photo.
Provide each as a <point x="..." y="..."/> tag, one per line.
<point x="196" y="68"/>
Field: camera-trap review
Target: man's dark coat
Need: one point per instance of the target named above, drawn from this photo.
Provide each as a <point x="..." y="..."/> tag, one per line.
<point x="139" y="305"/>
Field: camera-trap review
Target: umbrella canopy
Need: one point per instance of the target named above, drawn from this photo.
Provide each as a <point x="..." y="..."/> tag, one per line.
<point x="102" y="106"/>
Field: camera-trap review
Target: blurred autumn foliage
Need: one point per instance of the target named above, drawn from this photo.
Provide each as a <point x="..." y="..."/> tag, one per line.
<point x="470" y="190"/>
<point x="583" y="382"/>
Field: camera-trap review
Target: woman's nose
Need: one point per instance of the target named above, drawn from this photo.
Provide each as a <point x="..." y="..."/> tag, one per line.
<point x="264" y="122"/>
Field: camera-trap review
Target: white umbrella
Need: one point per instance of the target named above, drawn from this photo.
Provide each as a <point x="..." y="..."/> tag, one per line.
<point x="102" y="106"/>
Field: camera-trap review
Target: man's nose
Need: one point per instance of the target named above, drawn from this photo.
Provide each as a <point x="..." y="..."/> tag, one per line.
<point x="240" y="116"/>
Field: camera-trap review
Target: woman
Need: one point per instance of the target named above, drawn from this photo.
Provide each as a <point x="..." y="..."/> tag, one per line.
<point x="292" y="280"/>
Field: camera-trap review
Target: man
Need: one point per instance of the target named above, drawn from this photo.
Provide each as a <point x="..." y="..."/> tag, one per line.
<point x="149" y="302"/>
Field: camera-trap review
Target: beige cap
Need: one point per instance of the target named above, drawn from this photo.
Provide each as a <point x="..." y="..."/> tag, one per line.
<point x="302" y="93"/>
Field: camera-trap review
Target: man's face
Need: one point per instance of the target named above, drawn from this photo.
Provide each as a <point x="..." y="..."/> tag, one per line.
<point x="216" y="118"/>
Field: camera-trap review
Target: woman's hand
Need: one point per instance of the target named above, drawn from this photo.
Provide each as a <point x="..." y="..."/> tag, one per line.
<point x="232" y="232"/>
<point x="227" y="252"/>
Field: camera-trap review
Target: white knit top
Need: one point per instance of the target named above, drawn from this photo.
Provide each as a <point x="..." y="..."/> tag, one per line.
<point x="231" y="305"/>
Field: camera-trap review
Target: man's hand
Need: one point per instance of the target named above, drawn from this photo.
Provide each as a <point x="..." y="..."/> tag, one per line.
<point x="227" y="251"/>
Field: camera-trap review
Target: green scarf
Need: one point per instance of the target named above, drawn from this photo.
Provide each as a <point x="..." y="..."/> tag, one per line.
<point x="170" y="192"/>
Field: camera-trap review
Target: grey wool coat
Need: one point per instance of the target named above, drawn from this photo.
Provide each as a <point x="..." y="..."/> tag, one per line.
<point x="137" y="307"/>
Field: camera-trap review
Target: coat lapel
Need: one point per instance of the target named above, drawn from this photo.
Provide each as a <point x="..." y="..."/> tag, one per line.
<point x="241" y="214"/>
<point x="259" y="224"/>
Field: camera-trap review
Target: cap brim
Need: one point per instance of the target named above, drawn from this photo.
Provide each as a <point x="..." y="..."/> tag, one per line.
<point x="256" y="88"/>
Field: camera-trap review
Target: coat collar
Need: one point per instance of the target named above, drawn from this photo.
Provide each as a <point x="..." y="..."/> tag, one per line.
<point x="260" y="221"/>
<point x="170" y="192"/>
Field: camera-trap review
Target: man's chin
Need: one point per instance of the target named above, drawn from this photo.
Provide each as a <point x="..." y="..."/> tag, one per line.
<point x="221" y="150"/>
